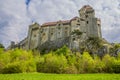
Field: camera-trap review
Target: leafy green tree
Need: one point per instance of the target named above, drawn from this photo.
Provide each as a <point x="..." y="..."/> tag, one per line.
<point x="1" y="46"/>
<point x="52" y="63"/>
<point x="99" y="65"/>
<point x="64" y="51"/>
<point x="92" y="45"/>
<point x="109" y="62"/>
<point x="87" y="63"/>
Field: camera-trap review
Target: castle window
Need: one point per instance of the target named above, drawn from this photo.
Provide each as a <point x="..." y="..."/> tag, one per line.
<point x="66" y="27"/>
<point x="58" y="24"/>
<point x="43" y="34"/>
<point x="87" y="22"/>
<point x="86" y="16"/>
<point x="73" y="39"/>
<point x="51" y="33"/>
<point x="35" y="35"/>
<point x="78" y="20"/>
<point x="82" y="19"/>
<point x="98" y="24"/>
<point x="78" y="24"/>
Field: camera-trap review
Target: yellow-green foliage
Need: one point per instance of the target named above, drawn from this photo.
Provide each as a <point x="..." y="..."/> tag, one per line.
<point x="60" y="61"/>
<point x="16" y="61"/>
<point x="52" y="63"/>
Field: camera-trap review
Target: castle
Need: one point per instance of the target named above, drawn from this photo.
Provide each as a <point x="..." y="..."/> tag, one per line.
<point x="53" y="35"/>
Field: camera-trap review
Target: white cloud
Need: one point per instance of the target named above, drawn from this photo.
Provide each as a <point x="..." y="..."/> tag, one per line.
<point x="15" y="18"/>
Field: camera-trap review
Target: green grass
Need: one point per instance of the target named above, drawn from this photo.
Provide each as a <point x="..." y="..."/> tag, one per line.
<point x="41" y="76"/>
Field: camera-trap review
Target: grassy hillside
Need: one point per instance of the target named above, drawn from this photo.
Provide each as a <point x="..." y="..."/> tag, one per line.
<point x="40" y="76"/>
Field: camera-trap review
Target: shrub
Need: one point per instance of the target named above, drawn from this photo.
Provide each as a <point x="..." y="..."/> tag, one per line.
<point x="60" y="61"/>
<point x="99" y="65"/>
<point x="40" y="65"/>
<point x="71" y="59"/>
<point x="52" y="63"/>
<point x="63" y="51"/>
<point x="109" y="62"/>
<point x="1" y="66"/>
<point x="87" y="63"/>
<point x="116" y="67"/>
<point x="28" y="66"/>
<point x="71" y="70"/>
<point x="12" y="68"/>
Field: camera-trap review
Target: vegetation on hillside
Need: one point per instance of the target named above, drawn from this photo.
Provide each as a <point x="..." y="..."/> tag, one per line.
<point x="59" y="61"/>
<point x="1" y="45"/>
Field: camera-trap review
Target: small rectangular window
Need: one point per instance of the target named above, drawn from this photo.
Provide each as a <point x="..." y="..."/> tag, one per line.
<point x="87" y="22"/>
<point x="98" y="24"/>
<point x="86" y="16"/>
<point x="35" y="35"/>
<point x="51" y="33"/>
<point x="66" y="27"/>
<point x="73" y="39"/>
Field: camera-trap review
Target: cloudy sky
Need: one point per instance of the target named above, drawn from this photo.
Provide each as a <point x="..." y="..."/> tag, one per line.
<point x="16" y="15"/>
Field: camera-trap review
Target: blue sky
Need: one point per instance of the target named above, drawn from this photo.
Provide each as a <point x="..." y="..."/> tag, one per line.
<point x="17" y="15"/>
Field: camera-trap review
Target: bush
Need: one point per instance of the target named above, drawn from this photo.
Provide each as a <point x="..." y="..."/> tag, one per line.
<point x="40" y="65"/>
<point x="52" y="63"/>
<point x="12" y="68"/>
<point x="60" y="61"/>
<point x="28" y="66"/>
<point x="63" y="51"/>
<point x="1" y="66"/>
<point x="99" y="65"/>
<point x="116" y="67"/>
<point x="87" y="63"/>
<point x="71" y="59"/>
<point x="71" y="70"/>
<point x="109" y="62"/>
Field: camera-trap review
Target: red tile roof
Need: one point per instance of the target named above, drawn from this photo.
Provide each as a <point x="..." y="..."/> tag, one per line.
<point x="55" y="23"/>
<point x="49" y="24"/>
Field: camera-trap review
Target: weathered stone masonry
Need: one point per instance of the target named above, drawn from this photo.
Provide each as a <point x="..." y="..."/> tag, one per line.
<point x="52" y="35"/>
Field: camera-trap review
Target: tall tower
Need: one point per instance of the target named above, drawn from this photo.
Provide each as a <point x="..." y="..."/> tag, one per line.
<point x="87" y="13"/>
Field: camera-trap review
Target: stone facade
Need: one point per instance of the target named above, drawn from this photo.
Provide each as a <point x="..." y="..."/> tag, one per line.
<point x="52" y="35"/>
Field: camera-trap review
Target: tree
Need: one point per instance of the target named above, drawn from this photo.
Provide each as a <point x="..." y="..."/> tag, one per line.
<point x="93" y="44"/>
<point x="1" y="46"/>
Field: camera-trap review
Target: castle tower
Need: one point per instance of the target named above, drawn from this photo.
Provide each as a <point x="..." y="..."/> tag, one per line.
<point x="87" y="13"/>
<point x="33" y="36"/>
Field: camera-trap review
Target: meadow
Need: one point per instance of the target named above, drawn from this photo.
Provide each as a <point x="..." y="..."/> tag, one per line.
<point x="42" y="76"/>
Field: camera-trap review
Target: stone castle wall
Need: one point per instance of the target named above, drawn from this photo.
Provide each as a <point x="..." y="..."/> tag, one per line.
<point x="53" y="35"/>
